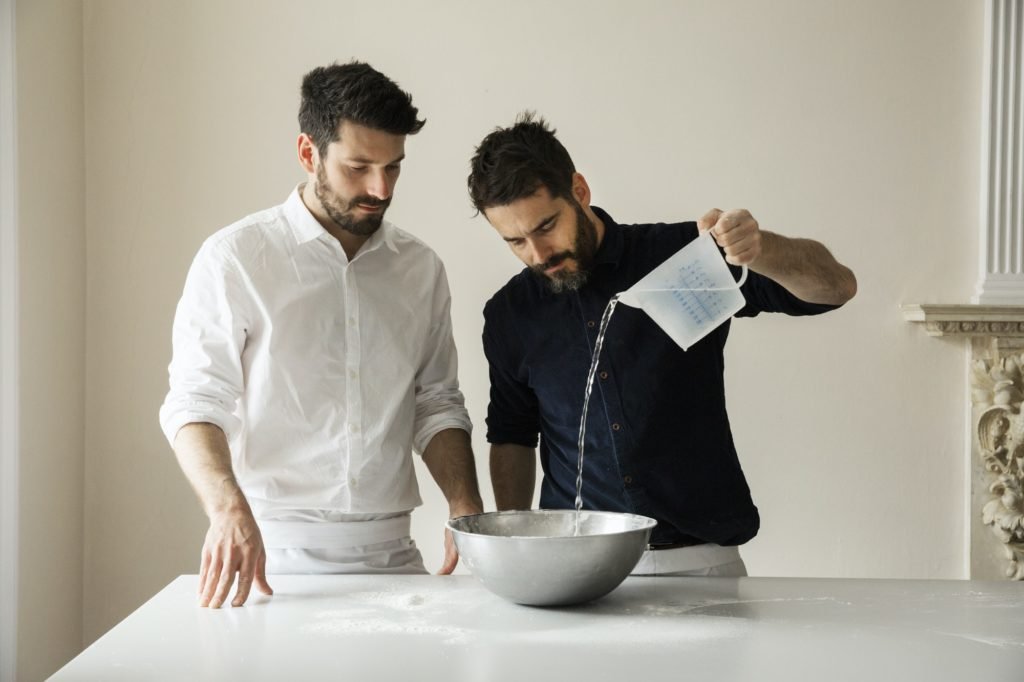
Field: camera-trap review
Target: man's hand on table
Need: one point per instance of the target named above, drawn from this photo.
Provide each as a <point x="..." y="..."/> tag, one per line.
<point x="233" y="546"/>
<point x="451" y="555"/>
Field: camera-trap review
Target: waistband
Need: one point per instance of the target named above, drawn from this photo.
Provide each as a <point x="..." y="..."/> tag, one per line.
<point x="692" y="558"/>
<point x="332" y="534"/>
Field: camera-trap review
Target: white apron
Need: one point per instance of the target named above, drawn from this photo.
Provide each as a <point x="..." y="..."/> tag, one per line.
<point x="373" y="544"/>
<point x="706" y="560"/>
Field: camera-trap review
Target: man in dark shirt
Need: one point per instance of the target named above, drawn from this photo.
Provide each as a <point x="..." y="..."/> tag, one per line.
<point x="658" y="441"/>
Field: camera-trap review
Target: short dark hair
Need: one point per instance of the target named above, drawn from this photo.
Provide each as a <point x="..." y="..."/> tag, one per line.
<point x="353" y="92"/>
<point x="512" y="163"/>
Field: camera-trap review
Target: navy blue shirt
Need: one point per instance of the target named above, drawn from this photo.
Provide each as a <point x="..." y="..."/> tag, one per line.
<point x="658" y="441"/>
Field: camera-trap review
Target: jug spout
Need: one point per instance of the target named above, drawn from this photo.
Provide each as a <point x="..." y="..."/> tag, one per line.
<point x="630" y="297"/>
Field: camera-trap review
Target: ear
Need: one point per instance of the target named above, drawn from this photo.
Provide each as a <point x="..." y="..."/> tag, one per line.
<point x="308" y="154"/>
<point x="580" y="189"/>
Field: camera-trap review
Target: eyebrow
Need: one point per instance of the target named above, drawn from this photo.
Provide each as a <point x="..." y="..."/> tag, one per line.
<point x="371" y="162"/>
<point x="544" y="222"/>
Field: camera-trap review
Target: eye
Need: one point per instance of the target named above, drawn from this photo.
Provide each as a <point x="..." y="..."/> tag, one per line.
<point x="356" y="169"/>
<point x="516" y="243"/>
<point x="394" y="167"/>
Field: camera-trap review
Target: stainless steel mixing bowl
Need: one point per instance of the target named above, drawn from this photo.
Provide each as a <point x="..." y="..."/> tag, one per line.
<point x="532" y="557"/>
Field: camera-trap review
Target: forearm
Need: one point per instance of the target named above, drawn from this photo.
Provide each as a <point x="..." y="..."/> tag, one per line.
<point x="449" y="458"/>
<point x="513" y="475"/>
<point x="205" y="458"/>
<point x="805" y="268"/>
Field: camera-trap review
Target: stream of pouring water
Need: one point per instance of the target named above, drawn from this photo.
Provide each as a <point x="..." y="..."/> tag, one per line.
<point x="586" y="401"/>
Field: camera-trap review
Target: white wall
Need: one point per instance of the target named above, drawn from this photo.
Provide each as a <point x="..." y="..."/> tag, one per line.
<point x="51" y="234"/>
<point x="853" y="123"/>
<point x="9" y="332"/>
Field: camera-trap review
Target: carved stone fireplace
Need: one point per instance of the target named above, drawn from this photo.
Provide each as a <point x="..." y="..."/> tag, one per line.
<point x="996" y="337"/>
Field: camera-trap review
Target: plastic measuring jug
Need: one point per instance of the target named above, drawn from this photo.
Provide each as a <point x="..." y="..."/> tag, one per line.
<point x="691" y="293"/>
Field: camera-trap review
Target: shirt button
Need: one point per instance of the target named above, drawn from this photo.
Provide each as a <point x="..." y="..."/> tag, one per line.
<point x="354" y="428"/>
<point x="352" y="374"/>
<point x="603" y="375"/>
<point x="590" y="323"/>
<point x="625" y="479"/>
<point x="615" y="427"/>
<point x="352" y="320"/>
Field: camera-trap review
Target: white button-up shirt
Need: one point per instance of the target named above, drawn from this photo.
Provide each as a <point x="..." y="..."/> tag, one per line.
<point x="324" y="373"/>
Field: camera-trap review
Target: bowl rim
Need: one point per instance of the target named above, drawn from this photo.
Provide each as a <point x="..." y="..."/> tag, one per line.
<point x="648" y="523"/>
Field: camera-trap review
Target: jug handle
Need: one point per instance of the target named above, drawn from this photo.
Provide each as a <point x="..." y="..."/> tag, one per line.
<point x="743" y="274"/>
<point x="743" y="277"/>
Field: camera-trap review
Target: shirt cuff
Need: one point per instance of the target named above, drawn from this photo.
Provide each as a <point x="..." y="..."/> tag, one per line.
<point x="196" y="412"/>
<point x="431" y="426"/>
<point x="524" y="438"/>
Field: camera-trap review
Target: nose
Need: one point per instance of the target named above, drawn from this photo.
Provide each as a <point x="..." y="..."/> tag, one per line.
<point x="538" y="252"/>
<point x="380" y="185"/>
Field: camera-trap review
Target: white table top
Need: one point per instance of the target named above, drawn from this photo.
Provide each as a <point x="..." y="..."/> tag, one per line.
<point x="365" y="627"/>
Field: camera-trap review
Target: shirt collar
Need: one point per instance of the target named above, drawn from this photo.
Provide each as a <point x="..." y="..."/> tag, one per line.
<point x="305" y="228"/>
<point x="610" y="251"/>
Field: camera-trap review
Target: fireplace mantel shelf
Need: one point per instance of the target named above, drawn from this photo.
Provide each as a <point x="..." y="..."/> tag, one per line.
<point x="967" y="319"/>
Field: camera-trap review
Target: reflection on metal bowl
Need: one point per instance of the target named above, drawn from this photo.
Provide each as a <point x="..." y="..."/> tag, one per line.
<point x="532" y="557"/>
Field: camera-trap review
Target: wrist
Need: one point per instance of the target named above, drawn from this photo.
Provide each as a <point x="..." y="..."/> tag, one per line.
<point x="229" y="500"/>
<point x="465" y="507"/>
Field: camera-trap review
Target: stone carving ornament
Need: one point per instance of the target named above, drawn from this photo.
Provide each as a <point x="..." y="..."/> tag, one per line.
<point x="998" y="389"/>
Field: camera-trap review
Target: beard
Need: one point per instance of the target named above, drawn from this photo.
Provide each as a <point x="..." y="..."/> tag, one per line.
<point x="341" y="211"/>
<point x="584" y="248"/>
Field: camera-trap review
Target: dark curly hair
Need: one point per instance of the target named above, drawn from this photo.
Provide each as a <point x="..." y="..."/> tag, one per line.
<point x="512" y="163"/>
<point x="353" y="92"/>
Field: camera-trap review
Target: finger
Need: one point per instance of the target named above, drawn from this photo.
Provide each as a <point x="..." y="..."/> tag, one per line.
<point x="210" y="586"/>
<point x="735" y="216"/>
<point x="741" y="239"/>
<point x="227" y="579"/>
<point x="726" y="223"/>
<point x="223" y="587"/>
<point x="746" y="256"/>
<point x="708" y="220"/>
<point x="738" y="224"/>
<point x="735" y="237"/>
<point x="245" y="577"/>
<point x="261" y="575"/>
<point x="204" y="569"/>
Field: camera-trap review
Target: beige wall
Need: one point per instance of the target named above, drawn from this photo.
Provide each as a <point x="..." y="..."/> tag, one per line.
<point x="51" y="217"/>
<point x="853" y="123"/>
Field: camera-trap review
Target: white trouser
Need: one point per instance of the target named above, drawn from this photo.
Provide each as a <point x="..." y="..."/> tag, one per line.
<point x="705" y="560"/>
<point x="378" y="544"/>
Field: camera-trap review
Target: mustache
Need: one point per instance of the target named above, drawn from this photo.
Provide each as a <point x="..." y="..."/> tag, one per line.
<point x="367" y="200"/>
<point x="556" y="259"/>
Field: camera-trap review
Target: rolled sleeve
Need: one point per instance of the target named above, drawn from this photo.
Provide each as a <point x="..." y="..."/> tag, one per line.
<point x="440" y="404"/>
<point x="206" y="377"/>
<point x="764" y="295"/>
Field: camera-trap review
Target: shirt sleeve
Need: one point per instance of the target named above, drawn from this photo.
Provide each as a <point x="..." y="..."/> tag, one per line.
<point x="439" y="402"/>
<point x="513" y="412"/>
<point x="764" y="295"/>
<point x="206" y="378"/>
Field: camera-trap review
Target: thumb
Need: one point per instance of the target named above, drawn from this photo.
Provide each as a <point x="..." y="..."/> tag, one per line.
<point x="708" y="220"/>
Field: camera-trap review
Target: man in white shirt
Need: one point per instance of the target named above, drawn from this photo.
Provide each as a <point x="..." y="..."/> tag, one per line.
<point x="313" y="352"/>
